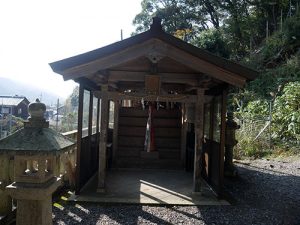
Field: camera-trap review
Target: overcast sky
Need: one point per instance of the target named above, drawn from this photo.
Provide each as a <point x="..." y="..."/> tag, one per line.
<point x="36" y="32"/>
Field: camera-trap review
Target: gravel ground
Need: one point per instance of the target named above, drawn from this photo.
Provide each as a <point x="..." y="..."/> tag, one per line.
<point x="266" y="192"/>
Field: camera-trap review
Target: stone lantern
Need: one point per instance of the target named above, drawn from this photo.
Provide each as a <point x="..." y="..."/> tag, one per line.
<point x="36" y="149"/>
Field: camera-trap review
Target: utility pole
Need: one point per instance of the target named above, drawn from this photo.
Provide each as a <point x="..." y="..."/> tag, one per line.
<point x="121" y="34"/>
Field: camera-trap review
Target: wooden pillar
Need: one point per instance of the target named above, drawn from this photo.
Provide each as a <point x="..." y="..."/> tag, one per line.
<point x="79" y="136"/>
<point x="222" y="140"/>
<point x="98" y="115"/>
<point x="90" y="125"/>
<point x="198" y="139"/>
<point x="183" y="134"/>
<point x="116" y="129"/>
<point x="103" y="138"/>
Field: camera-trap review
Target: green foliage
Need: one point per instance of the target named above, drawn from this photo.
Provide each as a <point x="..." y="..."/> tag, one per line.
<point x="237" y="29"/>
<point x="286" y="114"/>
<point x="212" y="40"/>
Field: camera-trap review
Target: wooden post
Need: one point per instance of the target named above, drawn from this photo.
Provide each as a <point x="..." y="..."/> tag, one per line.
<point x="222" y="140"/>
<point x="116" y="128"/>
<point x="98" y="115"/>
<point x="79" y="136"/>
<point x="90" y="125"/>
<point x="183" y="134"/>
<point x="198" y="139"/>
<point x="103" y="138"/>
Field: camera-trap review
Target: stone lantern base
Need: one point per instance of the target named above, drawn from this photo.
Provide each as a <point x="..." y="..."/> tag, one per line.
<point x="34" y="201"/>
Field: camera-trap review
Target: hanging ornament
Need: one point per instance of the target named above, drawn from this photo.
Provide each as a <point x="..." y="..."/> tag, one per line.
<point x="143" y="103"/>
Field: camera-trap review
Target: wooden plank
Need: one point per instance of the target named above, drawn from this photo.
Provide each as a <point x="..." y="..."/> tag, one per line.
<point x="198" y="140"/>
<point x="169" y="155"/>
<point x="90" y="115"/>
<point x="203" y="66"/>
<point x="146" y="97"/>
<point x="168" y="132"/>
<point x="116" y="129"/>
<point x="103" y="139"/>
<point x="125" y="141"/>
<point x="162" y="113"/>
<point x="167" y="142"/>
<point x="129" y="152"/>
<point x="112" y="60"/>
<point x="134" y="122"/>
<point x="98" y="115"/>
<point x="222" y="140"/>
<point x="79" y="137"/>
<point x="172" y="78"/>
<point x="166" y="123"/>
<point x="183" y="135"/>
<point x="132" y="131"/>
<point x="133" y="112"/>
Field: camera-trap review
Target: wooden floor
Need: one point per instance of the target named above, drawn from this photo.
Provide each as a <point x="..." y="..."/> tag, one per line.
<point x="148" y="187"/>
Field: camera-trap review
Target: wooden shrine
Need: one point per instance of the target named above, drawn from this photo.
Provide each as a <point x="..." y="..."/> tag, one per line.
<point x="186" y="88"/>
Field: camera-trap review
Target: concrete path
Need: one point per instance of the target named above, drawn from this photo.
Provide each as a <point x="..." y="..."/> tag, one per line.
<point x="148" y="187"/>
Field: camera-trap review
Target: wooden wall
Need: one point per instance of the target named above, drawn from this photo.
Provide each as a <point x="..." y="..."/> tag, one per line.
<point x="131" y="138"/>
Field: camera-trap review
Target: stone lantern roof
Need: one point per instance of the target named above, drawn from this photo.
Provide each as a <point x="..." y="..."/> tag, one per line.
<point x="36" y="137"/>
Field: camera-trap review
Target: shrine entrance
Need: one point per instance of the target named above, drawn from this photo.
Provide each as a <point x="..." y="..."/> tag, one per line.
<point x="186" y="90"/>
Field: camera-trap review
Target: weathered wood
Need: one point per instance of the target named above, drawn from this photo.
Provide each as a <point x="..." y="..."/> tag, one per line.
<point x="139" y="50"/>
<point x="203" y="66"/>
<point x="175" y="78"/>
<point x="103" y="139"/>
<point x="116" y="128"/>
<point x="112" y="60"/>
<point x="222" y="140"/>
<point x="90" y="115"/>
<point x="79" y="136"/>
<point x="198" y="140"/>
<point x="183" y="134"/>
<point x="98" y="115"/>
<point x="138" y="96"/>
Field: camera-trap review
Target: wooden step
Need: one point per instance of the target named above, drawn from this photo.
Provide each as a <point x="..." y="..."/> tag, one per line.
<point x="166" y="123"/>
<point x="167" y="143"/>
<point x="148" y="163"/>
<point x="126" y="141"/>
<point x="129" y="152"/>
<point x="162" y="113"/>
<point x="132" y="131"/>
<point x="133" y="122"/>
<point x="167" y="132"/>
<point x="133" y="112"/>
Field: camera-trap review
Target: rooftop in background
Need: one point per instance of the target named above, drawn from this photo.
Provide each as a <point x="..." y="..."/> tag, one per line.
<point x="12" y="100"/>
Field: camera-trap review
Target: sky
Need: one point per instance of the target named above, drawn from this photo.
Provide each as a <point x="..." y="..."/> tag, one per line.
<point x="34" y="33"/>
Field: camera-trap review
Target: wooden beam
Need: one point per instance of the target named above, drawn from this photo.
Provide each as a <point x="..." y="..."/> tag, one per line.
<point x="222" y="140"/>
<point x="183" y="134"/>
<point x="90" y="117"/>
<point x="203" y="66"/>
<point x="135" y="76"/>
<point x="138" y="96"/>
<point x="103" y="139"/>
<point x="199" y="124"/>
<point x="116" y="129"/>
<point x="79" y="136"/>
<point x="87" y="84"/>
<point x="112" y="60"/>
<point x="98" y="115"/>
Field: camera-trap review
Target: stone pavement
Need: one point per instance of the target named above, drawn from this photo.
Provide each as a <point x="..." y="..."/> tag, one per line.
<point x="158" y="187"/>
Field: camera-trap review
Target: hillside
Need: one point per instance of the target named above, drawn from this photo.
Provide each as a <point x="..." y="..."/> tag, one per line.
<point x="13" y="87"/>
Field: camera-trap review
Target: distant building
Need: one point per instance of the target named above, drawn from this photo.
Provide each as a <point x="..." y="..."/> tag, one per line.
<point x="15" y="105"/>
